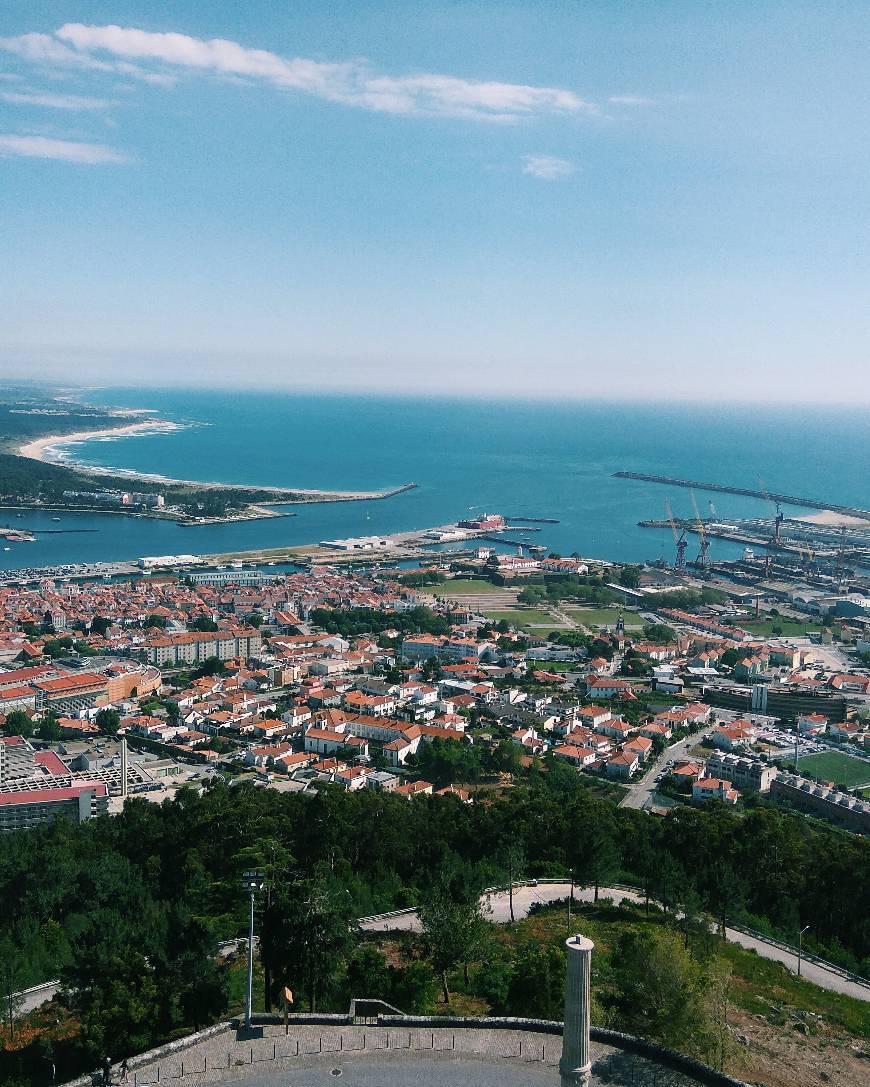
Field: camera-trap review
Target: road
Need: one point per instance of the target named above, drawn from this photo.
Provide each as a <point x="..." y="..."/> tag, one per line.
<point x="34" y="998"/>
<point x="496" y="907"/>
<point x="640" y="791"/>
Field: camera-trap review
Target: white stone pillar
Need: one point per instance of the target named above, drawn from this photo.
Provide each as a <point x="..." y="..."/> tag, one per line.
<point x="576" y="1062"/>
<point x="123" y="767"/>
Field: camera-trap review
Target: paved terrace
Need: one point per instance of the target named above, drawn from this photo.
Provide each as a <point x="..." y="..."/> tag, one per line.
<point x="382" y="1055"/>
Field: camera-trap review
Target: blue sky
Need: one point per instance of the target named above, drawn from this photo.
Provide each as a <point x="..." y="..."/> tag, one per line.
<point x="559" y="199"/>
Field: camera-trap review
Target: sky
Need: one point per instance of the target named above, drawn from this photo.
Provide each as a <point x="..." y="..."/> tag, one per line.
<point x="558" y="199"/>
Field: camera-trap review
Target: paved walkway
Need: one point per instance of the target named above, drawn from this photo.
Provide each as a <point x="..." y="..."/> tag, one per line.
<point x="496" y="907"/>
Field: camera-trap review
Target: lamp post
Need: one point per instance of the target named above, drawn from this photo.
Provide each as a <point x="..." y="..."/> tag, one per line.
<point x="251" y="882"/>
<point x="801" y="947"/>
<point x="570" y="898"/>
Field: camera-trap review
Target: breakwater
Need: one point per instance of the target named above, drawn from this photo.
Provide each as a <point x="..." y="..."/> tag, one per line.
<point x="749" y="492"/>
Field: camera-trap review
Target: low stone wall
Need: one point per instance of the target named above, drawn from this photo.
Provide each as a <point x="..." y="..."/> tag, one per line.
<point x="667" y="1057"/>
<point x="659" y="1055"/>
<point x="678" y="1062"/>
<point x="308" y="1019"/>
<point x="151" y="1056"/>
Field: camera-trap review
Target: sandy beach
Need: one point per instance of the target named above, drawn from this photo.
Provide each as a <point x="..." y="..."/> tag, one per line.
<point x="49" y="449"/>
<point x="832" y="520"/>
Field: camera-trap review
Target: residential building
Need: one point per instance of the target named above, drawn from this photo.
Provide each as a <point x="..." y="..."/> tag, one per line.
<point x="193" y="647"/>
<point x="622" y="765"/>
<point x="746" y="773"/>
<point x="714" y="789"/>
<point x="77" y="802"/>
<point x="840" y="808"/>
<point x="577" y="756"/>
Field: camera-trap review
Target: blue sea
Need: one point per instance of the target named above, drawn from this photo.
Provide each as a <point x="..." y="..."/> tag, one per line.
<point x="539" y="459"/>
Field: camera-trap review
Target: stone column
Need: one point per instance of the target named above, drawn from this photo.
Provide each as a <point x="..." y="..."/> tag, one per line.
<point x="123" y="766"/>
<point x="576" y="1062"/>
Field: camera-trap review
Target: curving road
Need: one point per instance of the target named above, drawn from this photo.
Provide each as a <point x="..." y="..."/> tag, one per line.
<point x="496" y="907"/>
<point x="640" y="791"/>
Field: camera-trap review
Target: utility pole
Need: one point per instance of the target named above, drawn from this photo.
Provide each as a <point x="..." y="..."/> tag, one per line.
<point x="801" y="947"/>
<point x="251" y="882"/>
<point x="570" y="898"/>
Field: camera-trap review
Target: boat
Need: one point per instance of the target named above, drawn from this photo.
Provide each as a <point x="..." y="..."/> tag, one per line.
<point x="55" y="518"/>
<point x="7" y="548"/>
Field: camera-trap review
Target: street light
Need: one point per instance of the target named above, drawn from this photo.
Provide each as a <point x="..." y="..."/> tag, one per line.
<point x="251" y="882"/>
<point x="801" y="947"/>
<point x="570" y="898"/>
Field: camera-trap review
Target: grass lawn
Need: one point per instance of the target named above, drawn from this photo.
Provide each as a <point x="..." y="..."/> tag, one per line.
<point x="602" y="616"/>
<point x="833" y="766"/>
<point x="524" y="617"/>
<point x="461" y="587"/>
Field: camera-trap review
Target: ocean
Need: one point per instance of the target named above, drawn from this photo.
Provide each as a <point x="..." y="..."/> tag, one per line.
<point x="537" y="459"/>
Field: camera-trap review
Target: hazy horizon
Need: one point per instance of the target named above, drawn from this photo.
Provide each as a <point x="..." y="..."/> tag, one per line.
<point x="521" y="200"/>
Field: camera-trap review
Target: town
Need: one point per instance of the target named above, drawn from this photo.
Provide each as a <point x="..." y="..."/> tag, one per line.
<point x="463" y="676"/>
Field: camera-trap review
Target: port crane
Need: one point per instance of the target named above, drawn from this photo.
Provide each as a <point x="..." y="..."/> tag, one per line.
<point x="679" y="538"/>
<point x="780" y="516"/>
<point x="703" y="559"/>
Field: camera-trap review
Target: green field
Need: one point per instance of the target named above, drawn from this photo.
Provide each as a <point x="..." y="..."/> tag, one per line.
<point x="524" y="617"/>
<point x="593" y="617"/>
<point x="832" y="766"/>
<point x="461" y="587"/>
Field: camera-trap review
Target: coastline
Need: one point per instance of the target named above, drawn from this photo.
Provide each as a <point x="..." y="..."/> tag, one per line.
<point x="46" y="450"/>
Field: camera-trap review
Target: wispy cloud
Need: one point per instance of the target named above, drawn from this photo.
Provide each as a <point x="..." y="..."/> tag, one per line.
<point x="547" y="167"/>
<point x="48" y="51"/>
<point x="54" y="101"/>
<point x="42" y="147"/>
<point x="135" y="52"/>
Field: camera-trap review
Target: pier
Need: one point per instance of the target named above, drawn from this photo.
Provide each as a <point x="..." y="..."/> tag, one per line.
<point x="749" y="492"/>
<point x="533" y="520"/>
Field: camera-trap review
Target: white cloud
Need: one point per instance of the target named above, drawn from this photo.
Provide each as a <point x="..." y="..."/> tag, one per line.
<point x="547" y="167"/>
<point x="48" y="51"/>
<point x="350" y="83"/>
<point x="630" y="100"/>
<point x="54" y="101"/>
<point x="41" y="147"/>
